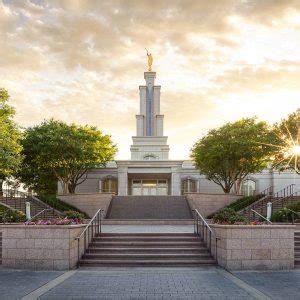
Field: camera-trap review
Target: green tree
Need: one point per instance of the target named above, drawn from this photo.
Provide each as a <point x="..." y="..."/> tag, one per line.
<point x="10" y="136"/>
<point x="286" y="141"/>
<point x="228" y="154"/>
<point x="65" y="152"/>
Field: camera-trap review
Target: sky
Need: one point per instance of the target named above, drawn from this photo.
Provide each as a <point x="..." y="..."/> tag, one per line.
<point x="216" y="61"/>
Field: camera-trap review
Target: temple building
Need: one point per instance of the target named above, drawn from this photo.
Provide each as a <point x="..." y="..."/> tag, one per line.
<point x="151" y="172"/>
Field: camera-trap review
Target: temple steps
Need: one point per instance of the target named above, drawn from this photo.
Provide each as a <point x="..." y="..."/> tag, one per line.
<point x="146" y="249"/>
<point x="149" y="207"/>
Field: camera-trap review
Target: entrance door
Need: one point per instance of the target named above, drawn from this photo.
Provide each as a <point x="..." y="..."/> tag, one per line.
<point x="149" y="187"/>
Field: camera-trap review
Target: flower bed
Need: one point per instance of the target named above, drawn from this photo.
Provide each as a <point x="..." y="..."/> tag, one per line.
<point x="59" y="221"/>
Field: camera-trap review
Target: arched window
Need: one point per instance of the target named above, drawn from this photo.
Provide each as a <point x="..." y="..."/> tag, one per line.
<point x="248" y="187"/>
<point x="110" y="185"/>
<point x="149" y="157"/>
<point x="188" y="186"/>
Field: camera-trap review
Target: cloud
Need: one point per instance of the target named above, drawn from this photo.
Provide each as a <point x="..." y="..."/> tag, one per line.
<point x="82" y="61"/>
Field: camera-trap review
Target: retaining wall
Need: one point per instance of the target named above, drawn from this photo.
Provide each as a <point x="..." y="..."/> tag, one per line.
<point x="207" y="204"/>
<point x="89" y="203"/>
<point x="255" y="247"/>
<point x="40" y="247"/>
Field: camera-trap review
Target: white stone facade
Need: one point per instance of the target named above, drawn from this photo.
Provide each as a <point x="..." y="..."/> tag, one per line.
<point x="150" y="171"/>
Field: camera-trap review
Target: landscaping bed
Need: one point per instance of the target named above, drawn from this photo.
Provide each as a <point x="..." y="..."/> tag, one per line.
<point x="58" y="204"/>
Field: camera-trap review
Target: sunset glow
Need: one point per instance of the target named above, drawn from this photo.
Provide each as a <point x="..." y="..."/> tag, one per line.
<point x="217" y="61"/>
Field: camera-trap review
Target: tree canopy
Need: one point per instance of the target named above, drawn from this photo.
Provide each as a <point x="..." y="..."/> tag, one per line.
<point x="228" y="154"/>
<point x="63" y="151"/>
<point x="10" y="136"/>
<point x="285" y="139"/>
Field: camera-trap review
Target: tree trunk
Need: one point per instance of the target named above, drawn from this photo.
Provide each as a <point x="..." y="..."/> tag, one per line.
<point x="64" y="186"/>
<point x="1" y="187"/>
<point x="226" y="189"/>
<point x="71" y="188"/>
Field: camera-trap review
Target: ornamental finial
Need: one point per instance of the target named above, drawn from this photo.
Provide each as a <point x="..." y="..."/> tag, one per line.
<point x="150" y="60"/>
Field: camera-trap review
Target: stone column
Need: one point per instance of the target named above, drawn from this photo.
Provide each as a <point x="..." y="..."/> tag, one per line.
<point x="100" y="185"/>
<point x="123" y="181"/>
<point x="175" y="183"/>
<point x="198" y="185"/>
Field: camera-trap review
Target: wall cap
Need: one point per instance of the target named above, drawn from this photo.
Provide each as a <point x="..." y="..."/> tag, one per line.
<point x="80" y="194"/>
<point x="252" y="226"/>
<point x="13" y="226"/>
<point x="195" y="193"/>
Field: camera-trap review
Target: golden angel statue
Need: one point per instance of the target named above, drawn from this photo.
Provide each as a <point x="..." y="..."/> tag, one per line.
<point x="150" y="60"/>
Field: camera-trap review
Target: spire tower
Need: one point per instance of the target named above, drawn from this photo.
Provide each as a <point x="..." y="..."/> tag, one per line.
<point x="149" y="142"/>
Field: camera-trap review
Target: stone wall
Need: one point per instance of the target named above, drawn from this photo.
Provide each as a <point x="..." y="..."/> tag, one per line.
<point x="260" y="247"/>
<point x="40" y="247"/>
<point x="89" y="203"/>
<point x="207" y="204"/>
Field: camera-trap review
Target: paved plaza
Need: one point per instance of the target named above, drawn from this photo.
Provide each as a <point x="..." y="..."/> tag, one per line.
<point x="149" y="283"/>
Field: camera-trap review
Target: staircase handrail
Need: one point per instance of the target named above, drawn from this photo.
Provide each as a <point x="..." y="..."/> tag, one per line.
<point x="201" y="217"/>
<point x="294" y="212"/>
<point x="268" y="191"/>
<point x="45" y="209"/>
<point x="205" y="232"/>
<point x="287" y="197"/>
<point x="11" y="193"/>
<point x="7" y="206"/>
<point x="286" y="191"/>
<point x="269" y="197"/>
<point x="7" y="193"/>
<point x="94" y="225"/>
<point x="44" y="204"/>
<point x="261" y="216"/>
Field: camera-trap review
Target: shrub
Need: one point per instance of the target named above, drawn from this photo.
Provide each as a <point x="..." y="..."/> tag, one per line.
<point x="11" y="216"/>
<point x="240" y="203"/>
<point x="285" y="215"/>
<point x="71" y="214"/>
<point x="228" y="216"/>
<point x="58" y="204"/>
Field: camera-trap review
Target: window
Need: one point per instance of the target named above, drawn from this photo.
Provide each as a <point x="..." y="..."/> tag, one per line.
<point x="188" y="186"/>
<point x="248" y="187"/>
<point x="149" y="157"/>
<point x="110" y="185"/>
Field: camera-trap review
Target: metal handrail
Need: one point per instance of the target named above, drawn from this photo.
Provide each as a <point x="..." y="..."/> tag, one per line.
<point x="19" y="196"/>
<point x="296" y="213"/>
<point x="205" y="232"/>
<point x="268" y="191"/>
<point x="91" y="229"/>
<point x="261" y="216"/>
<point x="287" y="197"/>
<point x="42" y="211"/>
<point x="205" y="222"/>
<point x="260" y="204"/>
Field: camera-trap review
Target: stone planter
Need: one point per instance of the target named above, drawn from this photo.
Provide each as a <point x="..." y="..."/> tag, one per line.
<point x="255" y="247"/>
<point x="40" y="247"/>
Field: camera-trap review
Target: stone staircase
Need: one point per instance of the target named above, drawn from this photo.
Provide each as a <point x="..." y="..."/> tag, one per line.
<point x="146" y="249"/>
<point x="297" y="249"/>
<point x="279" y="200"/>
<point x="149" y="207"/>
<point x="17" y="200"/>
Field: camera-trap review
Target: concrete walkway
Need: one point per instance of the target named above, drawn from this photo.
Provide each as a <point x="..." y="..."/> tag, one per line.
<point x="148" y="228"/>
<point x="149" y="283"/>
